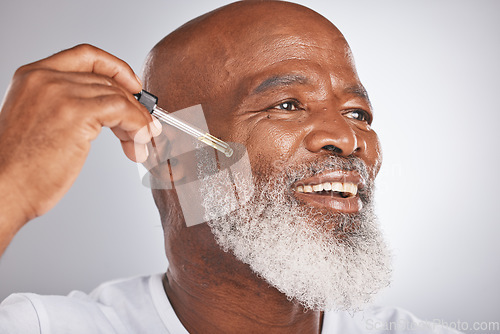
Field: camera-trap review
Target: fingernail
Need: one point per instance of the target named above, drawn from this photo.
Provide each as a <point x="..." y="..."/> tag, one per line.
<point x="156" y="127"/>
<point x="143" y="135"/>
<point x="143" y="156"/>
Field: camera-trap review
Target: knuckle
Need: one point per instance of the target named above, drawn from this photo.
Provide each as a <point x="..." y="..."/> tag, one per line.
<point x="35" y="77"/>
<point x="108" y="82"/>
<point x="118" y="101"/>
<point x="22" y="70"/>
<point x="84" y="49"/>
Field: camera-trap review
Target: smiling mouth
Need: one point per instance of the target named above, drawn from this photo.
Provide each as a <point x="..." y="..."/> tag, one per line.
<point x="336" y="191"/>
<point x="333" y="189"/>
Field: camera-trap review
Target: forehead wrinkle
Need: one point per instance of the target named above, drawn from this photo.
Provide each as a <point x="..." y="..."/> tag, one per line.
<point x="280" y="80"/>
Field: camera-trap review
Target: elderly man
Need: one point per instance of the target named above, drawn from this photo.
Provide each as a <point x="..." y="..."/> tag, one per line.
<point x="302" y="252"/>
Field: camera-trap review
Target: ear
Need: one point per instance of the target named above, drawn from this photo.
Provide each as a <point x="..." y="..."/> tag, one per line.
<point x="164" y="165"/>
<point x="172" y="157"/>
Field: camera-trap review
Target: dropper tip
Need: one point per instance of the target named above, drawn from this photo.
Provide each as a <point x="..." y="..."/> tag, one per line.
<point x="229" y="152"/>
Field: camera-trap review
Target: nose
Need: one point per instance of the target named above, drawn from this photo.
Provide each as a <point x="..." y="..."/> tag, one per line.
<point x="332" y="133"/>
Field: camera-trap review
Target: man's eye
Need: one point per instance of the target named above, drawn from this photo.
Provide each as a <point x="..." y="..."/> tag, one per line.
<point x="359" y="115"/>
<point x="287" y="105"/>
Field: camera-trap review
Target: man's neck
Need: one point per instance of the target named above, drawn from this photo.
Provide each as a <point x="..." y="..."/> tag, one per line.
<point x="208" y="299"/>
<point x="213" y="292"/>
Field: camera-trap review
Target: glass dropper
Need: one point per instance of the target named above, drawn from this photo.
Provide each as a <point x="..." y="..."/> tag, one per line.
<point x="150" y="102"/>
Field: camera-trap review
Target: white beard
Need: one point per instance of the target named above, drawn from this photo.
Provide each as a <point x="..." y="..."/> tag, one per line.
<point x="321" y="259"/>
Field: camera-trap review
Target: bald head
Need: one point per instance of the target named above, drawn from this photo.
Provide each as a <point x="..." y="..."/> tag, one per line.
<point x="206" y="58"/>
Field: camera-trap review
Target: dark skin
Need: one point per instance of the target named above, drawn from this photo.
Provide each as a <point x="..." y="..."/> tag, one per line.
<point x="285" y="86"/>
<point x="274" y="76"/>
<point x="53" y="109"/>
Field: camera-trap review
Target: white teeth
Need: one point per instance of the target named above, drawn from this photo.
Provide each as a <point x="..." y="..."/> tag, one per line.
<point x="337" y="186"/>
<point x="346" y="187"/>
<point x="318" y="187"/>
<point x="327" y="186"/>
<point x="308" y="189"/>
<point x="351" y="188"/>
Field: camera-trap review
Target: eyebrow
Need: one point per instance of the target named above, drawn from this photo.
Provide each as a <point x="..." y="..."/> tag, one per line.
<point x="280" y="80"/>
<point x="290" y="79"/>
<point x="359" y="91"/>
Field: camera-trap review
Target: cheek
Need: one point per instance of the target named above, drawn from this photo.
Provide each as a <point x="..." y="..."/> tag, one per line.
<point x="270" y="145"/>
<point x="372" y="153"/>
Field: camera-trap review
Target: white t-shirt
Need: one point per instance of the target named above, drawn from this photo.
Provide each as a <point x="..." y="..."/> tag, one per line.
<point x="140" y="305"/>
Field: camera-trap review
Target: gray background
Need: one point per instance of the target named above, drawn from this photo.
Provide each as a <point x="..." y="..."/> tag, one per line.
<point x="432" y="71"/>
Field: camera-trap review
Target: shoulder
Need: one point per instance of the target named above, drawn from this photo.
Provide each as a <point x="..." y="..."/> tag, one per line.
<point x="18" y="315"/>
<point x="380" y="319"/>
<point x="106" y="310"/>
<point x="32" y="313"/>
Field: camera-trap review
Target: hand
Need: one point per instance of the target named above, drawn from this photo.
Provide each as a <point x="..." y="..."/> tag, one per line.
<point x="53" y="109"/>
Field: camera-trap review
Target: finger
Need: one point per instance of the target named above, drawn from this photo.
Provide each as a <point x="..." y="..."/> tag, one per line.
<point x="74" y="84"/>
<point x="102" y="94"/>
<point x="143" y="136"/>
<point x="94" y="90"/>
<point x="156" y="127"/>
<point x="87" y="58"/>
<point x="85" y="78"/>
<point x="116" y="110"/>
<point x="135" y="152"/>
<point x="110" y="106"/>
<point x="101" y="87"/>
<point x="152" y="160"/>
<point x="98" y="85"/>
<point x="122" y="134"/>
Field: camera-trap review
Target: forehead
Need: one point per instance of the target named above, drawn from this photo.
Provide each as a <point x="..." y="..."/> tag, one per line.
<point x="280" y="60"/>
<point x="261" y="50"/>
